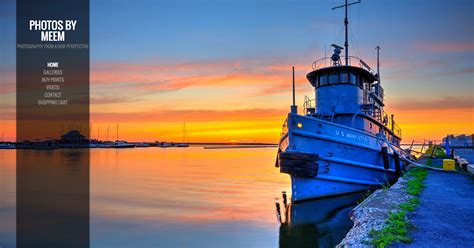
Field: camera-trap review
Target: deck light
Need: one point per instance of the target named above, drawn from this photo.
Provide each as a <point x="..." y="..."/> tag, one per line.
<point x="299" y="125"/>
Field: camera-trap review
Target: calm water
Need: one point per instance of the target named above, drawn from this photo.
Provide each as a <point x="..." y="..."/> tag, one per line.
<point x="191" y="197"/>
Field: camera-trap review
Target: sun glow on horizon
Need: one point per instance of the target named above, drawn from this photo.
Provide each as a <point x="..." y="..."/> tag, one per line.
<point x="416" y="125"/>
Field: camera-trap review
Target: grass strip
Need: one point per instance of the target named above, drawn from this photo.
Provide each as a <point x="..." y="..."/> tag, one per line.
<point x="397" y="224"/>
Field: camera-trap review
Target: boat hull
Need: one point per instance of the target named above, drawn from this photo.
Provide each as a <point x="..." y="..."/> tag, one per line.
<point x="326" y="159"/>
<point x="123" y="146"/>
<point x="120" y="145"/>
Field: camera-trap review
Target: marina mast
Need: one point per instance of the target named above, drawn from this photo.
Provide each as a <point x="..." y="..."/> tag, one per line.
<point x="184" y="132"/>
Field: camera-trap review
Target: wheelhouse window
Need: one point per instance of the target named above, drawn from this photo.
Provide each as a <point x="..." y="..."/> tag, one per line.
<point x="333" y="78"/>
<point x="344" y="77"/>
<point x="323" y="80"/>
<point x="354" y="79"/>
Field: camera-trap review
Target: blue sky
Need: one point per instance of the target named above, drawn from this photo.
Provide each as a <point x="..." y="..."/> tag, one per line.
<point x="212" y="29"/>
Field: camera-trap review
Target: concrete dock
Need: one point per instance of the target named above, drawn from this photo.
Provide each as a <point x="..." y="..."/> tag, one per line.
<point x="444" y="217"/>
<point x="466" y="153"/>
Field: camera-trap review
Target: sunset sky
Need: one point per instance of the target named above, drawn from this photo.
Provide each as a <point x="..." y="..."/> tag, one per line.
<point x="224" y="67"/>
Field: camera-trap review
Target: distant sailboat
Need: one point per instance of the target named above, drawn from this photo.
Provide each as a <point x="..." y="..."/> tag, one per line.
<point x="106" y="143"/>
<point x="121" y="143"/>
<point x="6" y="145"/>
<point x="94" y="143"/>
<point x="142" y="144"/>
<point x="183" y="144"/>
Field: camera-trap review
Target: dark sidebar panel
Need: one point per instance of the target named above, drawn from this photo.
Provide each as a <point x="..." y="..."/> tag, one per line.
<point x="52" y="63"/>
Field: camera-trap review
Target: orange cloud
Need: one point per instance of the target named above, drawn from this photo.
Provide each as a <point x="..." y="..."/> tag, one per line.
<point x="109" y="100"/>
<point x="456" y="103"/>
<point x="448" y="47"/>
<point x="189" y="115"/>
<point x="121" y="94"/>
<point x="7" y="81"/>
<point x="169" y="77"/>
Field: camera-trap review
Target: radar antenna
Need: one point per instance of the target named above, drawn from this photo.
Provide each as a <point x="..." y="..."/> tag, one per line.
<point x="346" y="23"/>
<point x="336" y="58"/>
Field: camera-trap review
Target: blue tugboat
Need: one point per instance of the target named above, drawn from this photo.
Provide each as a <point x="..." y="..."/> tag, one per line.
<point x="343" y="142"/>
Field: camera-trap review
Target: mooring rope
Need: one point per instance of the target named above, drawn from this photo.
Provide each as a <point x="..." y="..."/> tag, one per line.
<point x="384" y="139"/>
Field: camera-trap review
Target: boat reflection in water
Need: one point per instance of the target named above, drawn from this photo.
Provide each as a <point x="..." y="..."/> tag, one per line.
<point x="318" y="223"/>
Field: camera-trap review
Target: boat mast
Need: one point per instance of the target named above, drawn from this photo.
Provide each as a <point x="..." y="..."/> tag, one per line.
<point x="294" y="108"/>
<point x="378" y="63"/>
<point x="184" y="132"/>
<point x="346" y="24"/>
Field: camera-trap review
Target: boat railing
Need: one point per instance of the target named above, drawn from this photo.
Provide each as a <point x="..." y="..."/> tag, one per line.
<point x="309" y="108"/>
<point x="352" y="61"/>
<point x="398" y="131"/>
<point x="309" y="105"/>
<point x="388" y="121"/>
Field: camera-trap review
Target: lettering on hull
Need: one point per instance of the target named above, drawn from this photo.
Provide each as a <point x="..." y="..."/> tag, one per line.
<point x="342" y="133"/>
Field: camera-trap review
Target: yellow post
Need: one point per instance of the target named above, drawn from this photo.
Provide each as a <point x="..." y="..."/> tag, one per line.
<point x="448" y="164"/>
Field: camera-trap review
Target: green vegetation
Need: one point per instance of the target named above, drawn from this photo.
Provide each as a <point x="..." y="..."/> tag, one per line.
<point x="397" y="224"/>
<point x="438" y="152"/>
<point x="410" y="205"/>
<point x="415" y="185"/>
<point x="386" y="185"/>
<point x="396" y="230"/>
<point x="429" y="161"/>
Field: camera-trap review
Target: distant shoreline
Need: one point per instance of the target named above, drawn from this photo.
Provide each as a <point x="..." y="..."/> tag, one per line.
<point x="54" y="144"/>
